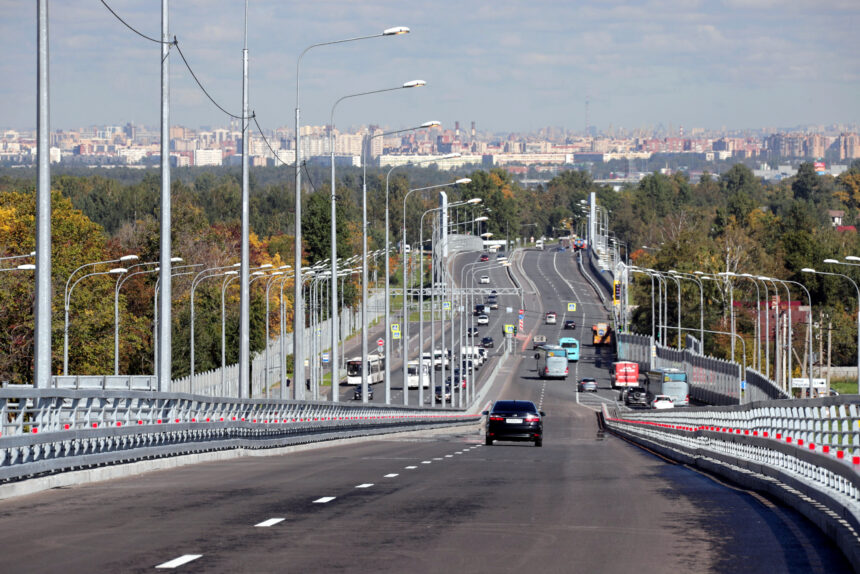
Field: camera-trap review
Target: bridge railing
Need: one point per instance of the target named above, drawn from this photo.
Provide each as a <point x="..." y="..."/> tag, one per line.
<point x="806" y="452"/>
<point x="713" y="381"/>
<point x="53" y="430"/>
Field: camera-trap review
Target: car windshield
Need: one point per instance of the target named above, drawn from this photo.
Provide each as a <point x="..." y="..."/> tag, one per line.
<point x="514" y="406"/>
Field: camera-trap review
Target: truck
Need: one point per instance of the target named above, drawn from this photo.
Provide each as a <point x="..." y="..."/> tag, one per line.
<point x="624" y="374"/>
<point x="601" y="334"/>
<point x="538" y="341"/>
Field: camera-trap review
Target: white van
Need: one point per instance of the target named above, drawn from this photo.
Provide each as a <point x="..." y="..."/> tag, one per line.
<point x="539" y="244"/>
<point x="413" y="374"/>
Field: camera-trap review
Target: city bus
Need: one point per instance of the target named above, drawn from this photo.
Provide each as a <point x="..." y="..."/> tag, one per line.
<point x="374" y="372"/>
<point x="571" y="345"/>
<point x="552" y="362"/>
<point x="672" y="382"/>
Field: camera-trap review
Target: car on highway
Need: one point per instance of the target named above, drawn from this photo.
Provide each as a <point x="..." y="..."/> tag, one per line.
<point x="662" y="402"/>
<point x="538" y="341"/>
<point x="570" y="324"/>
<point x="447" y="393"/>
<point x="484" y="280"/>
<point x="487" y="342"/>
<point x="472" y="331"/>
<point x="484" y="257"/>
<point x="515" y="421"/>
<point x="587" y="385"/>
<point x="493" y="301"/>
<point x="500" y="257"/>
<point x="551" y="318"/>
<point x="637" y="396"/>
<point x="356" y="394"/>
<point x="483" y="320"/>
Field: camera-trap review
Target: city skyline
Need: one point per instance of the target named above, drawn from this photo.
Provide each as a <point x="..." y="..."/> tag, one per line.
<point x="507" y="66"/>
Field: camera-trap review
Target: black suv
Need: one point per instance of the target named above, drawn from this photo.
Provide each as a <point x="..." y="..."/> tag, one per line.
<point x="514" y="420"/>
<point x="356" y="394"/>
<point x="635" y="396"/>
<point x="487" y="342"/>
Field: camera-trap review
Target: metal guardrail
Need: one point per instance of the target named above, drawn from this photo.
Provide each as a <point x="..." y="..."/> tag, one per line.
<point x="713" y="381"/>
<point x="55" y="430"/>
<point x="806" y="452"/>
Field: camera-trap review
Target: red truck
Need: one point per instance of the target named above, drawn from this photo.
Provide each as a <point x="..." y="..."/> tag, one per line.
<point x="624" y="374"/>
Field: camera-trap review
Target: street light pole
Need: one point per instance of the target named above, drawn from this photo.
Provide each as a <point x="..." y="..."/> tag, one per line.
<point x="298" y="304"/>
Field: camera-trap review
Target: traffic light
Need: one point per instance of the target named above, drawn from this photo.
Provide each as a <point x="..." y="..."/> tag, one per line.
<point x="616" y="292"/>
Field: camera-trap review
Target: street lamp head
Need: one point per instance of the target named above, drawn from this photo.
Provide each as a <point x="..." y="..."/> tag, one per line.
<point x="266" y="266"/>
<point x="486" y="235"/>
<point x="26" y="267"/>
<point x="726" y="273"/>
<point x="118" y="270"/>
<point x="475" y="200"/>
<point x="698" y="273"/>
<point x="807" y="270"/>
<point x="482" y="218"/>
<point x="258" y="273"/>
<point x="129" y="258"/>
<point x="672" y="272"/>
<point x="852" y="258"/>
<point x="231" y="273"/>
<point x="32" y="254"/>
<point x="285" y="267"/>
<point x="176" y="259"/>
<point x="395" y="31"/>
<point x="433" y="124"/>
<point x="463" y="181"/>
<point x="236" y="265"/>
<point x="834" y="260"/>
<point x="451" y="156"/>
<point x="276" y="273"/>
<point x="414" y="84"/>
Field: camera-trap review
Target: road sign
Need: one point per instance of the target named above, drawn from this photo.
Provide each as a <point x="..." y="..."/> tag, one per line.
<point x="571" y="307"/>
<point x="395" y="327"/>
<point x="326" y="358"/>
<point x="509" y="329"/>
<point x="446" y="305"/>
<point x="380" y="342"/>
<point x="508" y="310"/>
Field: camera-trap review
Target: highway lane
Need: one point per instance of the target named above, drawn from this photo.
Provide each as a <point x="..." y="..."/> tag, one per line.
<point x="425" y="502"/>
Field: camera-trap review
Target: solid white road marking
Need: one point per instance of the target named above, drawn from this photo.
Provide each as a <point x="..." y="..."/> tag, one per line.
<point x="365" y="485"/>
<point x="410" y="467"/>
<point x="324" y="499"/>
<point x="176" y="562"/>
<point x="269" y="522"/>
<point x="392" y="475"/>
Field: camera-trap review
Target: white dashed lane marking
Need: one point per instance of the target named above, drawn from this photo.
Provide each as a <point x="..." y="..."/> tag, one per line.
<point x="269" y="522"/>
<point x="324" y="499"/>
<point x="426" y="462"/>
<point x="390" y="475"/>
<point x="410" y="467"/>
<point x="365" y="485"/>
<point x="177" y="562"/>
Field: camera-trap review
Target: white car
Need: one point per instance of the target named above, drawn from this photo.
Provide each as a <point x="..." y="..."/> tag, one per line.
<point x="485" y="279"/>
<point x="662" y="402"/>
<point x="483" y="320"/>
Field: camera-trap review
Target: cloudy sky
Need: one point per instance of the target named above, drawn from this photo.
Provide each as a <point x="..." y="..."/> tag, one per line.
<point x="509" y="65"/>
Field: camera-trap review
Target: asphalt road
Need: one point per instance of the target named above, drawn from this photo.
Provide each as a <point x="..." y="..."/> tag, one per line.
<point x="428" y="502"/>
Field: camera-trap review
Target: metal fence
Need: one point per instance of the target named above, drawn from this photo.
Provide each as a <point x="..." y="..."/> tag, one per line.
<point x="54" y="430"/>
<point x="712" y="381"/>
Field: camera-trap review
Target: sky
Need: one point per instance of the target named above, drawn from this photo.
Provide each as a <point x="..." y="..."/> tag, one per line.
<point x="508" y="65"/>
